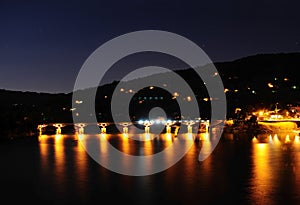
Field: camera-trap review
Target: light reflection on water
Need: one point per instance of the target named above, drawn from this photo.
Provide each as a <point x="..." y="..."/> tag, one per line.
<point x="264" y="170"/>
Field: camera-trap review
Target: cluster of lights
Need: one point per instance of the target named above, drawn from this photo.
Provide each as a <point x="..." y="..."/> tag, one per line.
<point x="165" y="122"/>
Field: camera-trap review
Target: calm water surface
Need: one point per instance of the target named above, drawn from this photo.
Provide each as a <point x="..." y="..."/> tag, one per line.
<point x="56" y="169"/>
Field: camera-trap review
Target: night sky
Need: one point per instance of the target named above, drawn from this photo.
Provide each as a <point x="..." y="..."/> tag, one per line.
<point x="43" y="44"/>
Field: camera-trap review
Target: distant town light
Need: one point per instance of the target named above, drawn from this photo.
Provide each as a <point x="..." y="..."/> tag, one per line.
<point x="226" y="90"/>
<point x="270" y="85"/>
<point x="237" y="110"/>
<point x="78" y="101"/>
<point x="188" y="98"/>
<point x="122" y="90"/>
<point x="151" y="87"/>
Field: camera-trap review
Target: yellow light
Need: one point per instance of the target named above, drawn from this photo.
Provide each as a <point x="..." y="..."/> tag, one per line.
<point x="188" y="98"/>
<point x="151" y="87"/>
<point x="276" y="139"/>
<point x="237" y="109"/>
<point x="261" y="113"/>
<point x="175" y="94"/>
<point x="78" y="101"/>
<point x="122" y="90"/>
<point x="205" y="99"/>
<point x="270" y="85"/>
<point x="297" y="139"/>
<point x="287" y="139"/>
<point x="226" y="90"/>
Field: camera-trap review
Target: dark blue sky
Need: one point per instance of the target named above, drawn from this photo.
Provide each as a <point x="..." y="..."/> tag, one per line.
<point x="43" y="44"/>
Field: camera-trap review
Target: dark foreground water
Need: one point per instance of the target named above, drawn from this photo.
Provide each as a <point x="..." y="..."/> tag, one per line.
<point x="55" y="169"/>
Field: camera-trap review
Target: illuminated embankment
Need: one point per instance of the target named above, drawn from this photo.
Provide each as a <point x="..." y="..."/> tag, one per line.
<point x="279" y="126"/>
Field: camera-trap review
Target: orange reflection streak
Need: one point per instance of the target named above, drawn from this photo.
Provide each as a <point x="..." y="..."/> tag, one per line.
<point x="148" y="147"/>
<point x="260" y="161"/>
<point x="44" y="151"/>
<point x="103" y="143"/>
<point x="125" y="144"/>
<point x="59" y="159"/>
<point x="204" y="136"/>
<point x="81" y="163"/>
<point x="263" y="178"/>
<point x="147" y="137"/>
<point x="206" y="145"/>
<point x="103" y="146"/>
<point x="167" y="139"/>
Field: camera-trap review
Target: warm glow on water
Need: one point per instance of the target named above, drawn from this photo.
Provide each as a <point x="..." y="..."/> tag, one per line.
<point x="263" y="170"/>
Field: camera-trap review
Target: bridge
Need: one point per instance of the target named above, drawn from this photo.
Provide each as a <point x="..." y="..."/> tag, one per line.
<point x="79" y="127"/>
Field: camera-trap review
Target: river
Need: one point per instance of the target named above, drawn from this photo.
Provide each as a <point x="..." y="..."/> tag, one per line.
<point x="56" y="169"/>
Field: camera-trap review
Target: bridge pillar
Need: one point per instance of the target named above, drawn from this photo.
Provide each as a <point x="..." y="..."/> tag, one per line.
<point x="168" y="125"/>
<point x="189" y="125"/>
<point x="81" y="128"/>
<point x="58" y="128"/>
<point x="207" y="126"/>
<point x="103" y="127"/>
<point x="147" y="129"/>
<point x="147" y="125"/>
<point x="40" y="128"/>
<point x="125" y="127"/>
